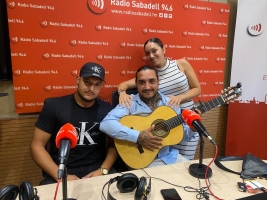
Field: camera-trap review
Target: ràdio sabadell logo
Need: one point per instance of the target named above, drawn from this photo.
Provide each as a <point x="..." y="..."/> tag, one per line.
<point x="97" y="6"/>
<point x="255" y="29"/>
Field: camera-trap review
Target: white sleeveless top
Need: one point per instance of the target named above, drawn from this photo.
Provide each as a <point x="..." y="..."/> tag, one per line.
<point x="173" y="82"/>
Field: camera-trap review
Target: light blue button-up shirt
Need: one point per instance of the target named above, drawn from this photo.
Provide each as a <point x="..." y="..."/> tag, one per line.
<point x="111" y="125"/>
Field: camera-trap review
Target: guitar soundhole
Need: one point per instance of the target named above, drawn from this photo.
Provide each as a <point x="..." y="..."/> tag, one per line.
<point x="160" y="129"/>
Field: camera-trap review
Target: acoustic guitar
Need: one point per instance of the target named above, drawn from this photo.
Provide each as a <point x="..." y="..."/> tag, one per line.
<point x="167" y="126"/>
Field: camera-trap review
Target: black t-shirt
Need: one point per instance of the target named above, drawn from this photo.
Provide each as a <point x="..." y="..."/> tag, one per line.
<point x="91" y="145"/>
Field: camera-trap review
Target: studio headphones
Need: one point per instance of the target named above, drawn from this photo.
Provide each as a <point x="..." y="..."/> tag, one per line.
<point x="127" y="183"/>
<point x="25" y="191"/>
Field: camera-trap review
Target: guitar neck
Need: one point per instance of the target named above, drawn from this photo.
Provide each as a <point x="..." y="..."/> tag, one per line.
<point x="204" y="107"/>
<point x="174" y="121"/>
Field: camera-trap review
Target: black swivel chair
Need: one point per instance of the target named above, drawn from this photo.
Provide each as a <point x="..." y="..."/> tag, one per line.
<point x="119" y="165"/>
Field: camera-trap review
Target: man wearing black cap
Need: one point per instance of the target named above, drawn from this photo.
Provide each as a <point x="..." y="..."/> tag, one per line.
<point x="91" y="156"/>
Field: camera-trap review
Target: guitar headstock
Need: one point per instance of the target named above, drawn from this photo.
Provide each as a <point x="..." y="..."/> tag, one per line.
<point x="231" y="93"/>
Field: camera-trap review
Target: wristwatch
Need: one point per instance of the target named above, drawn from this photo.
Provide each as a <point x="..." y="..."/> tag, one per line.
<point x="103" y="170"/>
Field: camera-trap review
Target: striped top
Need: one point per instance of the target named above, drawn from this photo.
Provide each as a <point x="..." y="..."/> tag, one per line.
<point x="174" y="82"/>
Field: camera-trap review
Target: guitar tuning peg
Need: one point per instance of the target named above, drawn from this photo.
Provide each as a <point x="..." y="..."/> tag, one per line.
<point x="238" y="85"/>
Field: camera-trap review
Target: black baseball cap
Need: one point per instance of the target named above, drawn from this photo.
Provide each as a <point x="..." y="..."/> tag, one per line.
<point x="92" y="69"/>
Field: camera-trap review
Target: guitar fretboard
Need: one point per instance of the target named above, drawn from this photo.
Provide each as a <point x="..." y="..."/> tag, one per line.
<point x="174" y="121"/>
<point x="204" y="107"/>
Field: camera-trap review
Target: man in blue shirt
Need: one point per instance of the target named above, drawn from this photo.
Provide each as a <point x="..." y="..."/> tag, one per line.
<point x="143" y="104"/>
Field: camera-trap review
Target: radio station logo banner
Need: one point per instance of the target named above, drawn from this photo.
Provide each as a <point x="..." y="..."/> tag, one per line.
<point x="249" y="68"/>
<point x="249" y="53"/>
<point x="51" y="40"/>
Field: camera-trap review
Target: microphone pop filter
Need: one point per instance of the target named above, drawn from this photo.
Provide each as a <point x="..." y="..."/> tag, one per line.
<point x="189" y="116"/>
<point x="69" y="132"/>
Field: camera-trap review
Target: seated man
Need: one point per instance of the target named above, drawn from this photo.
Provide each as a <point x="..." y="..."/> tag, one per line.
<point x="91" y="156"/>
<point x="144" y="103"/>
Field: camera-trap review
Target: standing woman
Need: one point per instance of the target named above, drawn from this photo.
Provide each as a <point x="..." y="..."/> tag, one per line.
<point x="177" y="77"/>
<point x="177" y="80"/>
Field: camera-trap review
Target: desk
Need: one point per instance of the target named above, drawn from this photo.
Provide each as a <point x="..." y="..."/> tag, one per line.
<point x="223" y="184"/>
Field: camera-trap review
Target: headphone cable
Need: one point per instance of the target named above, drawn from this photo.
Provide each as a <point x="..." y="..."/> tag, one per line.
<point x="103" y="189"/>
<point x="202" y="192"/>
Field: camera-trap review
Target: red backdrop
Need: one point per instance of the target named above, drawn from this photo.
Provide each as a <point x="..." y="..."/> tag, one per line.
<point x="51" y="40"/>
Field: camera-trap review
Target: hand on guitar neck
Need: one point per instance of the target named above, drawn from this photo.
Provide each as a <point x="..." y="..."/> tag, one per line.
<point x="147" y="140"/>
<point x="197" y="111"/>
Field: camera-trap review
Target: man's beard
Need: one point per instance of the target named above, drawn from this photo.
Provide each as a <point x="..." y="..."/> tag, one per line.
<point x="84" y="99"/>
<point x="152" y="102"/>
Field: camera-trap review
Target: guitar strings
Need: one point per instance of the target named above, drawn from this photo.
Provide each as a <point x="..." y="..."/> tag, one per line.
<point x="175" y="121"/>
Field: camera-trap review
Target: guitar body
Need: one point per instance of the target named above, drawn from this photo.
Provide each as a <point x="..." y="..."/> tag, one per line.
<point x="172" y="133"/>
<point x="129" y="151"/>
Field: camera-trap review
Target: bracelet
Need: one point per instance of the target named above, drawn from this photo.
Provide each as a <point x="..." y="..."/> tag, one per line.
<point x="120" y="91"/>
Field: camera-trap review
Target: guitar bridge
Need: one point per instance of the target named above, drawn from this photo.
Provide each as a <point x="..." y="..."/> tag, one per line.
<point x="140" y="148"/>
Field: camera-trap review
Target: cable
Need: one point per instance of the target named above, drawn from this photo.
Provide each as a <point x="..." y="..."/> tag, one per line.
<point x="58" y="181"/>
<point x="206" y="172"/>
<point x="103" y="189"/>
<point x="103" y="195"/>
<point x="202" y="192"/>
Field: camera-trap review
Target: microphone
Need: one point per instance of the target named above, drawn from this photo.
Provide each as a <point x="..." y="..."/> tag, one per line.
<point x="66" y="138"/>
<point x="193" y="120"/>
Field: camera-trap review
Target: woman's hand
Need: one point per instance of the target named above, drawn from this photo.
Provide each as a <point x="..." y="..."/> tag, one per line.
<point x="125" y="99"/>
<point x="175" y="101"/>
